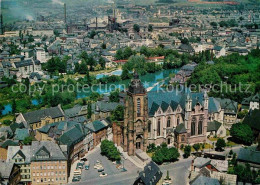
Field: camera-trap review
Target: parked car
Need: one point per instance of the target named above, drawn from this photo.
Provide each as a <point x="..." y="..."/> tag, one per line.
<point x="76" y="178"/>
<point x="84" y="159"/>
<point x="103" y="174"/>
<point x="100" y="169"/>
<point x="79" y="165"/>
<point x="77" y="173"/>
<point x="98" y="166"/>
<point x="87" y="165"/>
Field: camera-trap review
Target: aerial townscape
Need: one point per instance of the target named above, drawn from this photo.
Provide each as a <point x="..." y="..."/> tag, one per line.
<point x="129" y="92"/>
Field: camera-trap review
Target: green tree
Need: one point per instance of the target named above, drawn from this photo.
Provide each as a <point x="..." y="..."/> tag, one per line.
<point x="94" y="96"/>
<point x="150" y="28"/>
<point x="28" y="140"/>
<point x="84" y="55"/>
<point x="27" y="84"/>
<point x="220" y="144"/>
<point x="7" y="122"/>
<point x="92" y="34"/>
<point x="187" y="151"/>
<point x="151" y="148"/>
<point x="56" y="64"/>
<point x="14" y="107"/>
<point x="118" y="113"/>
<point x="213" y="24"/>
<point x="82" y="68"/>
<point x="114" y="96"/>
<point x="103" y="46"/>
<point x="242" y="133"/>
<point x="84" y="101"/>
<point x="125" y="74"/>
<point x="158" y="157"/>
<point x="242" y="114"/>
<point x="102" y="62"/>
<point x="136" y="28"/>
<point x="165" y="154"/>
<point x="119" y="54"/>
<point x="145" y="51"/>
<point x="185" y="41"/>
<point x="196" y="147"/>
<point x="89" y="110"/>
<point x="91" y="62"/>
<point x="2" y="108"/>
<point x="109" y="150"/>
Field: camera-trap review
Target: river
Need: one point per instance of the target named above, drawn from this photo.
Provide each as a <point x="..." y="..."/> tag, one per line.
<point x="149" y="80"/>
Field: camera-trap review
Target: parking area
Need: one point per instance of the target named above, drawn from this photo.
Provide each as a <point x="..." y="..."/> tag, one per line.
<point x="110" y="169"/>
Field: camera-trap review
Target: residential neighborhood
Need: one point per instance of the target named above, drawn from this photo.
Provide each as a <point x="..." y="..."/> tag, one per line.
<point x="152" y="92"/>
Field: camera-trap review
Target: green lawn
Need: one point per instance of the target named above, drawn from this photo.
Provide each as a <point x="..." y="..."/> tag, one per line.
<point x="214" y="139"/>
<point x="7" y="117"/>
<point x="231" y="143"/>
<point x="228" y="133"/>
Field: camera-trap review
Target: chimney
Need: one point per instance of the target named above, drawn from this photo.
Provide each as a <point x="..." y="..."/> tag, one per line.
<point x="21" y="146"/>
<point x="65" y="14"/>
<point x="96" y="23"/>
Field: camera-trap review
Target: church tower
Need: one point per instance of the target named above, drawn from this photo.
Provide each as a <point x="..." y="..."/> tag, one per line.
<point x="135" y="131"/>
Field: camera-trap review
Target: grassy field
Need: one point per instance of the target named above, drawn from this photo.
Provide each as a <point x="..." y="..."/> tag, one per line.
<point x="7" y="117"/>
<point x="214" y="139"/>
<point x="231" y="143"/>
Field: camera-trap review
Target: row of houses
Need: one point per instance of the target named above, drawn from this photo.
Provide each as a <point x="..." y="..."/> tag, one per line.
<point x="59" y="139"/>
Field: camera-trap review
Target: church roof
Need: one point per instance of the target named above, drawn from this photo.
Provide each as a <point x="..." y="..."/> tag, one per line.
<point x="174" y="98"/>
<point x="213" y="126"/>
<point x="180" y="129"/>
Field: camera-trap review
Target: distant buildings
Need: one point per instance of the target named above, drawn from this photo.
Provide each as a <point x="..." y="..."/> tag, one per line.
<point x="251" y="102"/>
<point x="230" y="109"/>
<point x="99" y="130"/>
<point x="40" y="118"/>
<point x="40" y="54"/>
<point x="249" y="156"/>
<point x="209" y="171"/>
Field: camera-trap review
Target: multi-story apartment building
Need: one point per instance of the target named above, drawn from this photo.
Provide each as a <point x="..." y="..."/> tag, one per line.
<point x="48" y="163"/>
<point x="21" y="155"/>
<point x="40" y="54"/>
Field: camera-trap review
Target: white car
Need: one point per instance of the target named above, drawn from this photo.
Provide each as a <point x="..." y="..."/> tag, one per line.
<point x="103" y="174"/>
<point x="97" y="166"/>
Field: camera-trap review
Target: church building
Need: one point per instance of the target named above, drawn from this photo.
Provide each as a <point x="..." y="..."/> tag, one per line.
<point x="175" y="117"/>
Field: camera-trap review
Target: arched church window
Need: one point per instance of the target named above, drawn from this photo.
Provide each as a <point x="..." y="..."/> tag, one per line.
<point x="138" y="107"/>
<point x="193" y="126"/>
<point x="182" y="138"/>
<point x="200" y="126"/>
<point x="149" y="126"/>
<point x="178" y="120"/>
<point x="169" y="122"/>
<point x="159" y="127"/>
